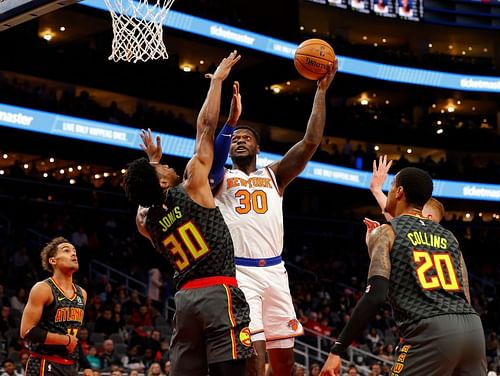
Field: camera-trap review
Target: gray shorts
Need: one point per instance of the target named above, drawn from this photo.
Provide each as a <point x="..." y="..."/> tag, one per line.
<point x="448" y="345"/>
<point x="210" y="326"/>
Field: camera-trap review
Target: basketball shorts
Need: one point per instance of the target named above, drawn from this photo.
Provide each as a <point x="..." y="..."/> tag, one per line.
<point x="41" y="366"/>
<point x="210" y="326"/>
<point x="272" y="314"/>
<point x="445" y="345"/>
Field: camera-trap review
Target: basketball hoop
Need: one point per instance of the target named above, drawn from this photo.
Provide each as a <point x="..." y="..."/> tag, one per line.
<point x="138" y="29"/>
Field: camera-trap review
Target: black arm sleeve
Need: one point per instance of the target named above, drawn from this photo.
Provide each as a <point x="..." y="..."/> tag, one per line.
<point x="82" y="359"/>
<point x="36" y="335"/>
<point x="367" y="307"/>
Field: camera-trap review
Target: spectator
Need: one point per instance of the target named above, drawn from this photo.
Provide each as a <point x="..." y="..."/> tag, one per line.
<point x="373" y="338"/>
<point x="83" y="340"/>
<point x="132" y="304"/>
<point x="155" y="284"/>
<point x="314" y="369"/>
<point x="6" y="320"/>
<point x="9" y="368"/>
<point x="388" y="354"/>
<point x="167" y="368"/>
<point x="154" y="342"/>
<point x="155" y="370"/>
<point x="352" y="370"/>
<point x="313" y="325"/>
<point x="107" y="355"/>
<point x="105" y="323"/>
<point x="132" y="360"/>
<point x="375" y="369"/>
<point x="141" y="317"/>
<point x="94" y="361"/>
<point x="299" y="370"/>
<point x="18" y="302"/>
<point x="148" y="357"/>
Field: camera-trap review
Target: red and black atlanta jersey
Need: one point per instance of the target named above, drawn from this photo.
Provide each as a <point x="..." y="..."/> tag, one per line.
<point x="63" y="316"/>
<point x="426" y="277"/>
<point x="195" y="239"/>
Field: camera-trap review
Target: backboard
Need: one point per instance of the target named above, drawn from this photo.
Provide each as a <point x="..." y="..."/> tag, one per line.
<point x="14" y="12"/>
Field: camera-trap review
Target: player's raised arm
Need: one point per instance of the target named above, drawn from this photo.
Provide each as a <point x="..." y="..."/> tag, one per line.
<point x="198" y="168"/>
<point x="295" y="160"/>
<point x="379" y="175"/>
<point x="209" y="113"/>
<point x="223" y="141"/>
<point x="208" y="118"/>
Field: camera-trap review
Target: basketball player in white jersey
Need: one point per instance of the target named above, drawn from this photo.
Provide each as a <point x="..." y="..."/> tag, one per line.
<point x="250" y="200"/>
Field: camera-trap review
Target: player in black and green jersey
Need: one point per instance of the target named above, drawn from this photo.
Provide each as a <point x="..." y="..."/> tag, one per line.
<point x="418" y="264"/>
<point x="54" y="314"/>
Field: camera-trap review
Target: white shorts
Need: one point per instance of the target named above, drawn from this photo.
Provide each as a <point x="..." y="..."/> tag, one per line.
<point x="272" y="315"/>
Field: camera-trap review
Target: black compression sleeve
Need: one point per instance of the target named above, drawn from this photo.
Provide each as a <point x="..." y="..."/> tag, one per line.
<point x="367" y="307"/>
<point x="36" y="335"/>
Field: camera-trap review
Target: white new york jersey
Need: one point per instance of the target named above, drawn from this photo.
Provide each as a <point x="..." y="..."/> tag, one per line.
<point x="252" y="208"/>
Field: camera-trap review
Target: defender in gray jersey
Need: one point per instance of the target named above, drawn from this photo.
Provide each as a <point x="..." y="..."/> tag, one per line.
<point x="418" y="264"/>
<point x="54" y="314"/>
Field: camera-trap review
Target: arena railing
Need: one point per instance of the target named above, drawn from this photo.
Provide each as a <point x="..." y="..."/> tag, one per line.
<point x="98" y="269"/>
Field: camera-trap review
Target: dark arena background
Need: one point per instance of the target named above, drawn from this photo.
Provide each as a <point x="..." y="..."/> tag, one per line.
<point x="421" y="86"/>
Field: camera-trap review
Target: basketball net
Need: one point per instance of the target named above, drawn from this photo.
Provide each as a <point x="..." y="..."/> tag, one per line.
<point x="138" y="29"/>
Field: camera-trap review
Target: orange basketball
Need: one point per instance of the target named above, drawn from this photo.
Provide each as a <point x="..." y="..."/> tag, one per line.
<point x="312" y="58"/>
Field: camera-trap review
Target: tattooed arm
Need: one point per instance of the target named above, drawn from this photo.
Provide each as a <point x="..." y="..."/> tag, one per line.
<point x="379" y="248"/>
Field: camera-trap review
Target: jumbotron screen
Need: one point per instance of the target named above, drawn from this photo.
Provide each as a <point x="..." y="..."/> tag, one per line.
<point x="403" y="9"/>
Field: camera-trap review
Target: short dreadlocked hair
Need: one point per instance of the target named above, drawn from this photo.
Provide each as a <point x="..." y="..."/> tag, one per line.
<point x="417" y="185"/>
<point x="49" y="251"/>
<point x="141" y="184"/>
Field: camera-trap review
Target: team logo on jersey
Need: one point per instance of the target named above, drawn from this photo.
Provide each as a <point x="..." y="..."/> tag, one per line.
<point x="245" y="337"/>
<point x="79" y="300"/>
<point x="368" y="288"/>
<point x="293" y="324"/>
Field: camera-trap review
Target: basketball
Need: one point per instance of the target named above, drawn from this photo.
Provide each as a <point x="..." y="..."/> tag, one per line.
<point x="312" y="58"/>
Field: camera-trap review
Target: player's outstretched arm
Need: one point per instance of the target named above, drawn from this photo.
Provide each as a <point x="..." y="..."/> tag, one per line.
<point x="41" y="295"/>
<point x="209" y="113"/>
<point x="223" y="140"/>
<point x="295" y="160"/>
<point x="379" y="175"/>
<point x="380" y="246"/>
<point x="197" y="169"/>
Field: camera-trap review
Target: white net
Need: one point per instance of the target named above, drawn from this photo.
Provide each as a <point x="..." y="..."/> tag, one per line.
<point x="138" y="29"/>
